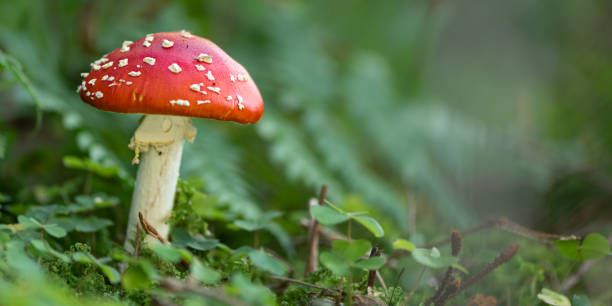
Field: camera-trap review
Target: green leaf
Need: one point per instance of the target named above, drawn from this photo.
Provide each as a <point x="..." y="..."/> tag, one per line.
<point x="204" y="274"/>
<point x="111" y="273"/>
<point x="431" y="258"/>
<point x="265" y="261"/>
<point x="371" y="224"/>
<point x="92" y="224"/>
<point x="44" y="247"/>
<point x="336" y="265"/>
<point x="248" y="225"/>
<point x="86" y="164"/>
<point x="167" y="252"/>
<point x="568" y="248"/>
<point x="351" y="251"/>
<point x="403" y="244"/>
<point x="242" y="251"/>
<point x="460" y="268"/>
<point x="594" y="246"/>
<point x="553" y="298"/>
<point x="580" y="300"/>
<point x="181" y="239"/>
<point x="81" y="257"/>
<point x="55" y="230"/>
<point x="134" y="278"/>
<point x="327" y="216"/>
<point x="372" y="263"/>
<point x="28" y="222"/>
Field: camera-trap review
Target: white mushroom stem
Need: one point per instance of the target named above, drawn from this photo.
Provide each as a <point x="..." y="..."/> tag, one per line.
<point x="160" y="140"/>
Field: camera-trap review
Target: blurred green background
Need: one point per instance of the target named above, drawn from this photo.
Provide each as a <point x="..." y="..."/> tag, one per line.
<point x="433" y="115"/>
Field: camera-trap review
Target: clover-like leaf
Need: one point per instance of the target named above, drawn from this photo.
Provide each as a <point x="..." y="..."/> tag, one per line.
<point x="327" y="216"/>
<point x="335" y="264"/>
<point x="403" y="244"/>
<point x="351" y="251"/>
<point x="372" y="263"/>
<point x="267" y="262"/>
<point x="371" y="224"/>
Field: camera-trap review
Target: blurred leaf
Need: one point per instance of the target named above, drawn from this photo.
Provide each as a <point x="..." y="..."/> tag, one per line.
<point x="460" y="268"/>
<point x="371" y="224"/>
<point x="267" y="262"/>
<point x="111" y="273"/>
<point x="28" y="222"/>
<point x="45" y="248"/>
<point x="204" y="274"/>
<point x="55" y="230"/>
<point x="327" y="216"/>
<point x="86" y="164"/>
<point x="166" y="252"/>
<point x="592" y="247"/>
<point x="181" y="239"/>
<point x="334" y="263"/>
<point x="134" y="278"/>
<point x="91" y="224"/>
<point x="351" y="251"/>
<point x="553" y="298"/>
<point x="431" y="258"/>
<point x="372" y="263"/>
<point x="81" y="257"/>
<point x="580" y="300"/>
<point x="403" y="244"/>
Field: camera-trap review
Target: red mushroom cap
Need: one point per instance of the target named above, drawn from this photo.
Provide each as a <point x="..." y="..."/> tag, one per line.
<point x="173" y="73"/>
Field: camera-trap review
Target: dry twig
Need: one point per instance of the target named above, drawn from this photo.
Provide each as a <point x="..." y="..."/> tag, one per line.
<point x="313" y="236"/>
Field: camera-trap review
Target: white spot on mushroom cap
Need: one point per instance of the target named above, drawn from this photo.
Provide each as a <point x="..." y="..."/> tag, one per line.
<point x="200" y="67"/>
<point x="175" y="68"/>
<point x="179" y="102"/>
<point x="84" y="74"/>
<point x="186" y="34"/>
<point x="203" y="102"/>
<point x="92" y="82"/>
<point x="88" y="93"/>
<point x="240" y="105"/>
<point x="96" y="67"/>
<point x="125" y="46"/>
<point x="110" y="79"/>
<point x="128" y="83"/>
<point x="149" y="60"/>
<point x="203" y="57"/>
<point x="232" y="78"/>
<point x="215" y="89"/>
<point x="242" y="77"/>
<point x="99" y="94"/>
<point x="167" y="43"/>
<point x="210" y="76"/>
<point x="104" y="77"/>
<point x="123" y="62"/>
<point x="148" y="40"/>
<point x="107" y="65"/>
<point x="134" y="73"/>
<point x="229" y="98"/>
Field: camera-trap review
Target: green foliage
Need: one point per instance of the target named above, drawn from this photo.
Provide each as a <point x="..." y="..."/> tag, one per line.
<point x="593" y="246"/>
<point x="432" y="258"/>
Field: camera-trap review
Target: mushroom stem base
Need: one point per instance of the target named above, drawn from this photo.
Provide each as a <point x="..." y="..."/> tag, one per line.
<point x="159" y="140"/>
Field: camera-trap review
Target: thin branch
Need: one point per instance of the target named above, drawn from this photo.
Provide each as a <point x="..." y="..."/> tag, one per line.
<point x="502" y="258"/>
<point x="313" y="235"/>
<point x="414" y="288"/>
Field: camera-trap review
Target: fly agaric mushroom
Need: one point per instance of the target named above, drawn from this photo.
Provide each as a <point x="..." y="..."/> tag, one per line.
<point x="169" y="77"/>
